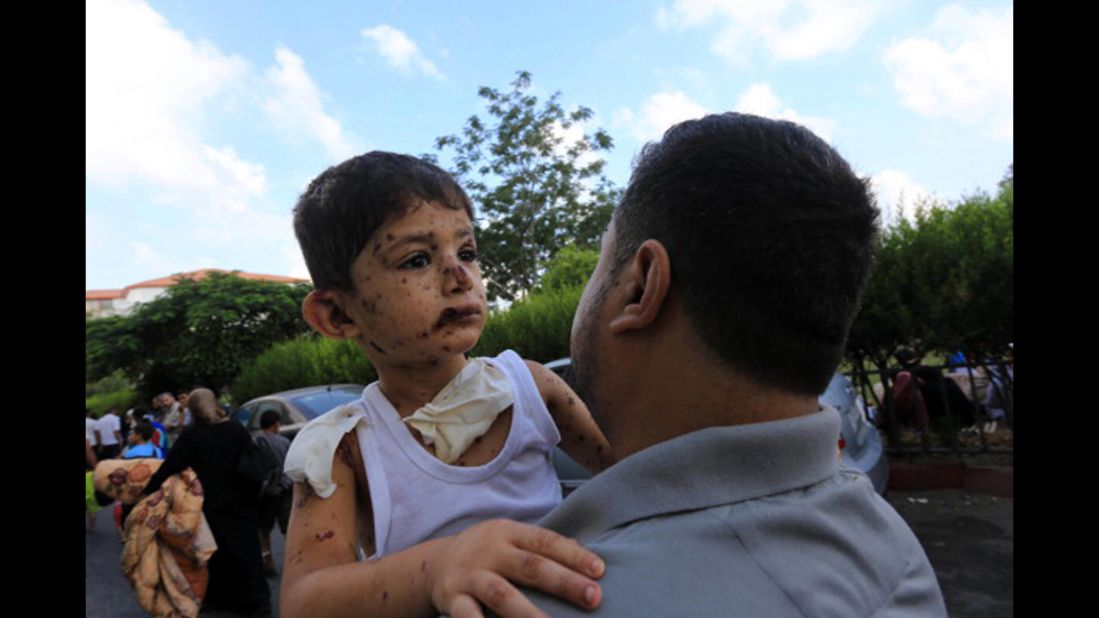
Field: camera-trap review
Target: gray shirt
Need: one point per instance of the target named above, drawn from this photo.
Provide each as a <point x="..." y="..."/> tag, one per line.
<point x="749" y="520"/>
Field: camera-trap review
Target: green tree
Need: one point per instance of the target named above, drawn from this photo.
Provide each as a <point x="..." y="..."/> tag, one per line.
<point x="198" y="332"/>
<point x="572" y="266"/>
<point x="945" y="280"/>
<point x="536" y="179"/>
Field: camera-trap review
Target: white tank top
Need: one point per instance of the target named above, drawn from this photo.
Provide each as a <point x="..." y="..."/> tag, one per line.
<point x="416" y="497"/>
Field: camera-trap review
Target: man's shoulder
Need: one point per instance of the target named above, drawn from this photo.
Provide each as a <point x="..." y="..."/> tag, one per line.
<point x="831" y="549"/>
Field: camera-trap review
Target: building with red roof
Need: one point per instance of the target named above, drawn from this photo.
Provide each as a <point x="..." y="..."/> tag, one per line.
<point x="100" y="303"/>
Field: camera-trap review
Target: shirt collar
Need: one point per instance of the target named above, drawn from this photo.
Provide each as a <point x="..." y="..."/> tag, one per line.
<point x="706" y="468"/>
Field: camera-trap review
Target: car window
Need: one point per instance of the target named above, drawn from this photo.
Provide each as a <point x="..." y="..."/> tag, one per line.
<point x="315" y="404"/>
<point x="263" y="406"/>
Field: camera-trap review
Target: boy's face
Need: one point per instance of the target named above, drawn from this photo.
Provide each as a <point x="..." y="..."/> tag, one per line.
<point x="418" y="298"/>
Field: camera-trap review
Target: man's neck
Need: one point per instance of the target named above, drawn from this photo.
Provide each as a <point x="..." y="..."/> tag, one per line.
<point x="681" y="390"/>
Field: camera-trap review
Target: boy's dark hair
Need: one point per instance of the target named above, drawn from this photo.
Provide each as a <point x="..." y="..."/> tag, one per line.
<point x="770" y="234"/>
<point x="268" y="418"/>
<point x="343" y="207"/>
<point x="145" y="429"/>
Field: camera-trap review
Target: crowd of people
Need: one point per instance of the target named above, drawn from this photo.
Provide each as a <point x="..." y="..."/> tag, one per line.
<point x="193" y="430"/>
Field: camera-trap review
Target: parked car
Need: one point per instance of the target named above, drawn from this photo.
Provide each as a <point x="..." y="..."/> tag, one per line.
<point x="299" y="406"/>
<point x="862" y="444"/>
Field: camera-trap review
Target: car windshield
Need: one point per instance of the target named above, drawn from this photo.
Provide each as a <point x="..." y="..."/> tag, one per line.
<point x="317" y="403"/>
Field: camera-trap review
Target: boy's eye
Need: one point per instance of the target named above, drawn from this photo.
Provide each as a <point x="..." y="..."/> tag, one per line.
<point x="417" y="261"/>
<point x="468" y="255"/>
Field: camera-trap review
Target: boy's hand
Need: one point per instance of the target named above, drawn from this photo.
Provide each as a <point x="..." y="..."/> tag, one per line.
<point x="477" y="565"/>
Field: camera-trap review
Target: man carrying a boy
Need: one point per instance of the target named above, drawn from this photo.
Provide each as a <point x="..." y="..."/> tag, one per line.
<point x="719" y="310"/>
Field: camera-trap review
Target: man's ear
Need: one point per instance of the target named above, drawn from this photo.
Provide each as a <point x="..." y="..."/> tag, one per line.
<point x="323" y="311"/>
<point x="646" y="280"/>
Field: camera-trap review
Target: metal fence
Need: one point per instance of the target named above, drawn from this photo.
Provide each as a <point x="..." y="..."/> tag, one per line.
<point x="985" y="427"/>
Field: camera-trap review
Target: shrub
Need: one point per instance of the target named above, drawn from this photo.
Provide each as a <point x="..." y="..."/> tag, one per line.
<point x="306" y="361"/>
<point x="122" y="400"/>
<point x="536" y="327"/>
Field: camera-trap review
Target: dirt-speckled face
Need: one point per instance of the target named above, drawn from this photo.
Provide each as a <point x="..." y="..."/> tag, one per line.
<point x="419" y="297"/>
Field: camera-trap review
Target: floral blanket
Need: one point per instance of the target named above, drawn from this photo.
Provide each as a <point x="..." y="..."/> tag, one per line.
<point x="168" y="541"/>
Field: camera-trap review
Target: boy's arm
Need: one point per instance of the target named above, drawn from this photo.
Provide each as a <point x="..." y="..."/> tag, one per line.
<point x="580" y="436"/>
<point x="321" y="576"/>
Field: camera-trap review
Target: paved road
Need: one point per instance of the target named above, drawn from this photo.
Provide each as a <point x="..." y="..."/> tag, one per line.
<point x="107" y="594"/>
<point x="969" y="539"/>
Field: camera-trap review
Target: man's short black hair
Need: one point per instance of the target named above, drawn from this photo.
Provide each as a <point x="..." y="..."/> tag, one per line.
<point x="268" y="418"/>
<point x="145" y="429"/>
<point x="343" y="207"/>
<point x="770" y="235"/>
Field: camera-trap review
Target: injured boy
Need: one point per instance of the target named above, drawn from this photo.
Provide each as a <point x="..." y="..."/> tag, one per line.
<point x="393" y="493"/>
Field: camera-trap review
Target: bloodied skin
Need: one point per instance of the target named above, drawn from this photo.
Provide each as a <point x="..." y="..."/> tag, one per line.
<point x="419" y="298"/>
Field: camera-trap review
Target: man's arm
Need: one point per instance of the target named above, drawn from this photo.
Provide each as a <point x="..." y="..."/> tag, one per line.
<point x="580" y="436"/>
<point x="322" y="577"/>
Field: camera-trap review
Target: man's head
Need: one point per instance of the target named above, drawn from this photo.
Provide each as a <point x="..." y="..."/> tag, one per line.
<point x="181" y="397"/>
<point x="768" y="236"/>
<point x="269" y="420"/>
<point x="166" y="399"/>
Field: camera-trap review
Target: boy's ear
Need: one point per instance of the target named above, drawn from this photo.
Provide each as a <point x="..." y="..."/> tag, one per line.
<point x="646" y="280"/>
<point x="323" y="311"/>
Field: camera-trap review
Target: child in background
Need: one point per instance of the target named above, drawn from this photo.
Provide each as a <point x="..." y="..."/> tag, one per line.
<point x="141" y="443"/>
<point x="441" y="441"/>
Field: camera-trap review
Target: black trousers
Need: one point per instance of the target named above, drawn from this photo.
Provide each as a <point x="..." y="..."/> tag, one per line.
<point x="237" y="579"/>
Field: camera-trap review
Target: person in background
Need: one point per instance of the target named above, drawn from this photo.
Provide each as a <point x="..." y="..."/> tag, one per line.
<point x="212" y="448"/>
<point x="173" y="416"/>
<point x="181" y="397"/>
<point x="160" y="432"/>
<point x="274" y="506"/>
<point x="91" y="507"/>
<point x="110" y="434"/>
<point x="141" y="443"/>
<point x="91" y="429"/>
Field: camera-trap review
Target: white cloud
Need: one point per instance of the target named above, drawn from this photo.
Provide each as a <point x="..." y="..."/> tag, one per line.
<point x="400" y="51"/>
<point x="146" y="86"/>
<point x="249" y="176"/>
<point x="151" y="95"/>
<point x="295" y="105"/>
<point x="761" y="100"/>
<point x="658" y="114"/>
<point x="898" y="195"/>
<point x="788" y="29"/>
<point x="962" y="69"/>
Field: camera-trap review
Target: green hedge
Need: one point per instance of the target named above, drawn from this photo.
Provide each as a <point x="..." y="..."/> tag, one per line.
<point x="306" y="361"/>
<point x="121" y="400"/>
<point x="536" y="327"/>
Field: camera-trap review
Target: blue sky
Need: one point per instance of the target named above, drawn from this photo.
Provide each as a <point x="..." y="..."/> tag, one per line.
<point x="206" y="119"/>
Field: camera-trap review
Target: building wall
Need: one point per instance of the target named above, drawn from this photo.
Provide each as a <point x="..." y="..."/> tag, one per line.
<point x="143" y="295"/>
